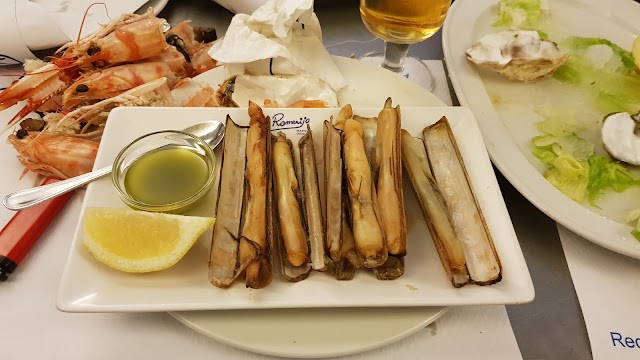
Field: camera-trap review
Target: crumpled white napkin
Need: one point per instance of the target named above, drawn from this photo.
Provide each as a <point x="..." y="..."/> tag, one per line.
<point x="282" y="37"/>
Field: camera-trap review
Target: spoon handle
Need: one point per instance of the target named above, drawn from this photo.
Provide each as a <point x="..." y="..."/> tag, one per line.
<point x="27" y="198"/>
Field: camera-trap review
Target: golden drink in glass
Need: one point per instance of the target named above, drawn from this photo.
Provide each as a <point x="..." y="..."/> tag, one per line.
<point x="401" y="23"/>
<point x="404" y="21"/>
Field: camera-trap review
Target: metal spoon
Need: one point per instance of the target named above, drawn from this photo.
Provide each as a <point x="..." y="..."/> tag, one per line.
<point x="212" y="132"/>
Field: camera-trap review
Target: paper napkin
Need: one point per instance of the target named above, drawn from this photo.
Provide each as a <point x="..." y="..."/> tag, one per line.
<point x="608" y="288"/>
<point x="282" y="37"/>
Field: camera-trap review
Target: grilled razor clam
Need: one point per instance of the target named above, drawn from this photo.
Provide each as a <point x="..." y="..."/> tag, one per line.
<point x="389" y="189"/>
<point x="434" y="210"/>
<point x="468" y="222"/>
<point x="349" y="250"/>
<point x="367" y="231"/>
<point x="392" y="269"/>
<point x="255" y="243"/>
<point x="224" y="267"/>
<point x="344" y="268"/>
<point x="333" y="189"/>
<point x="288" y="200"/>
<point x="288" y="224"/>
<point x="369" y="127"/>
<point x="312" y="204"/>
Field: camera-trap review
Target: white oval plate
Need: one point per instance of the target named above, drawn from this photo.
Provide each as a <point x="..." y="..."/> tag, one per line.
<point x="505" y="139"/>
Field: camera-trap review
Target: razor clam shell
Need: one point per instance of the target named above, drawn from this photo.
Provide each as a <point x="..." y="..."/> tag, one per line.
<point x="333" y="178"/>
<point x="263" y="255"/>
<point x="223" y="260"/>
<point x="370" y="127"/>
<point x="434" y="210"/>
<point x="311" y="199"/>
<point x="451" y="177"/>
<point x="396" y="173"/>
<point x="290" y="272"/>
<point x="354" y="198"/>
<point x="345" y="268"/>
<point x="392" y="269"/>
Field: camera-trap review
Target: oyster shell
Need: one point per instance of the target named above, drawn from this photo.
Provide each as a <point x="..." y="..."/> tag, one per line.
<point x="517" y="54"/>
<point x="619" y="137"/>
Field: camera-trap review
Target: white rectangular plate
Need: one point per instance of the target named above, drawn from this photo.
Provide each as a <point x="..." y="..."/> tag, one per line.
<point x="89" y="286"/>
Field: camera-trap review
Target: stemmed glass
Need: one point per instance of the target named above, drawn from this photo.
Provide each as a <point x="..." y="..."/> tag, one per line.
<point x="401" y="23"/>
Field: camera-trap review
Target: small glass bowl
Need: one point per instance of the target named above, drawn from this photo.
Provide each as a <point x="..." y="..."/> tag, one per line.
<point x="153" y="142"/>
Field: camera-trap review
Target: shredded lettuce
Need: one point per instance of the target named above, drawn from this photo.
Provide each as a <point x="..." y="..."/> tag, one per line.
<point x="521" y="14"/>
<point x="543" y="35"/>
<point x="605" y="173"/>
<point x="563" y="121"/>
<point x="575" y="170"/>
<point x="571" y="144"/>
<point x="544" y="154"/>
<point x="569" y="176"/>
<point x="634" y="217"/>
<point x="576" y="43"/>
<point x="613" y="88"/>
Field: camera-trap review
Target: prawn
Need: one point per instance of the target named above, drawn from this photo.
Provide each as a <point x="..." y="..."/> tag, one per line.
<point x="88" y="121"/>
<point x="128" y="38"/>
<point x="190" y="93"/>
<point x="183" y="38"/>
<point x="201" y="61"/>
<point x="55" y="155"/>
<point x="36" y="87"/>
<point x="107" y="83"/>
<point x="194" y="44"/>
<point x="176" y="61"/>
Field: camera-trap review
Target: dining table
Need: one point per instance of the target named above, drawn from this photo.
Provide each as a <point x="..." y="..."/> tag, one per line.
<point x="549" y="327"/>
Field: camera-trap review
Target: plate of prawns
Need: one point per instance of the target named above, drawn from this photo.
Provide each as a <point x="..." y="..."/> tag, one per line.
<point x="374" y="203"/>
<point x="64" y="103"/>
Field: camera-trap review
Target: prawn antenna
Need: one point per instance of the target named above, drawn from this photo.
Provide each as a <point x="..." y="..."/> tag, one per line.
<point x="85" y="17"/>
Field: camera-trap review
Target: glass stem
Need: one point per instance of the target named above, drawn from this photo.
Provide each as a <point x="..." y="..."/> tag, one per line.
<point x="394" y="55"/>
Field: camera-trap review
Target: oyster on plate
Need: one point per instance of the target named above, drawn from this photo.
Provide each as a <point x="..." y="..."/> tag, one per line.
<point x="517" y="54"/>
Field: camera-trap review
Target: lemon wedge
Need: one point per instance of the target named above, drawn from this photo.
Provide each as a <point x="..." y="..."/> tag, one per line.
<point x="635" y="51"/>
<point x="137" y="241"/>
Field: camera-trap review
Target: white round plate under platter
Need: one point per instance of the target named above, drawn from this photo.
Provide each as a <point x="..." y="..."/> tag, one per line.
<point x="310" y="333"/>
<point x="508" y="128"/>
<point x="327" y="332"/>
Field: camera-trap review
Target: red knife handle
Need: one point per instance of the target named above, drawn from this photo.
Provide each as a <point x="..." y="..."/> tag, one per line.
<point x="24" y="229"/>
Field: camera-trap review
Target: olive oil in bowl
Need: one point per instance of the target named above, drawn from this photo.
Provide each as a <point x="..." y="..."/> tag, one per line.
<point x="168" y="171"/>
<point x="166" y="176"/>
